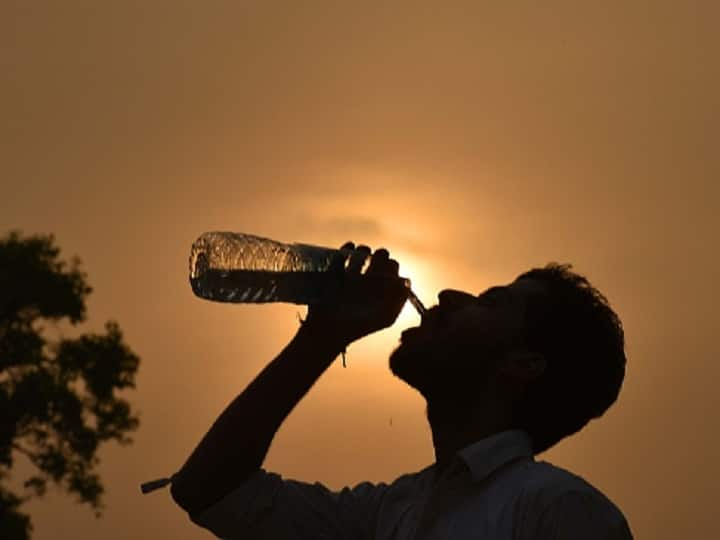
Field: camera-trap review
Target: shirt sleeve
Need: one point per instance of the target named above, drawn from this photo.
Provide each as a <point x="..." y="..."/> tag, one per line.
<point x="577" y="514"/>
<point x="269" y="506"/>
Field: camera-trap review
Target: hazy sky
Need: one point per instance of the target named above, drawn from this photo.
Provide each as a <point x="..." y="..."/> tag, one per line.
<point x="473" y="139"/>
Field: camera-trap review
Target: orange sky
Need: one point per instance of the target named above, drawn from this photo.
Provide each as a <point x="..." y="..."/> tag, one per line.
<point x="473" y="139"/>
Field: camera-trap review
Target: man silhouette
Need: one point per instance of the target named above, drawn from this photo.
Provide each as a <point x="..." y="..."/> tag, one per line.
<point x="506" y="375"/>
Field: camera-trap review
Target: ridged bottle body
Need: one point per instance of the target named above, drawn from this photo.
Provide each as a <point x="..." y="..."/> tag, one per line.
<point x="243" y="268"/>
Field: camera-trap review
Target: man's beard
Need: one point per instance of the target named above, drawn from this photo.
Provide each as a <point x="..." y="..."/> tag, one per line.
<point x="444" y="369"/>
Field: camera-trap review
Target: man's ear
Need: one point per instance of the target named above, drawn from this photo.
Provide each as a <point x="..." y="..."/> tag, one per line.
<point x="522" y="364"/>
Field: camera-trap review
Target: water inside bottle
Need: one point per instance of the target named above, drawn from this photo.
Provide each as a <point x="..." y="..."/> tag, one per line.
<point x="254" y="286"/>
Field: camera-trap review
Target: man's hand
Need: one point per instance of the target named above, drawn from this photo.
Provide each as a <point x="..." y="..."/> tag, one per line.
<point x="360" y="303"/>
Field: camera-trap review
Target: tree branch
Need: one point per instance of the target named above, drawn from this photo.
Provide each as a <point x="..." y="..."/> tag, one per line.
<point x="27" y="453"/>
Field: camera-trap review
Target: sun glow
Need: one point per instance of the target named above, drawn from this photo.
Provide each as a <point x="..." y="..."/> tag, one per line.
<point x="423" y="283"/>
<point x="419" y="273"/>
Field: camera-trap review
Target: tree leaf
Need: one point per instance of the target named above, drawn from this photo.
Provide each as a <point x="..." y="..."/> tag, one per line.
<point x="58" y="399"/>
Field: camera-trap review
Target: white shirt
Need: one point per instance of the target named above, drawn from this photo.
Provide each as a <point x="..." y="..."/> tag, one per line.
<point x="493" y="490"/>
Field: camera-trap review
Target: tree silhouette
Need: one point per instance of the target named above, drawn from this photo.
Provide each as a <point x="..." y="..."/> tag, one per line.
<point x="58" y="397"/>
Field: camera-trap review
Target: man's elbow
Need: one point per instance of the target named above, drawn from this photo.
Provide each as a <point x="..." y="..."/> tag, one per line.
<point x="183" y="496"/>
<point x="194" y="494"/>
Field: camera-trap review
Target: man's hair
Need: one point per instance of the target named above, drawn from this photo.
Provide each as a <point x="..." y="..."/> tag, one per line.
<point x="583" y="343"/>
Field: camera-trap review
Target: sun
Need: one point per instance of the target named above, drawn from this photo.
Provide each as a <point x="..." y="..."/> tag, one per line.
<point x="419" y="273"/>
<point x="424" y="282"/>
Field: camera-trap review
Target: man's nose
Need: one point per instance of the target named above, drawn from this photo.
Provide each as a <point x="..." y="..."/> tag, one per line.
<point x="451" y="299"/>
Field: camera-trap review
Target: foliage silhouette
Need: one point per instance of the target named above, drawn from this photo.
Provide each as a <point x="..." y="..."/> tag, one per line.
<point x="58" y="397"/>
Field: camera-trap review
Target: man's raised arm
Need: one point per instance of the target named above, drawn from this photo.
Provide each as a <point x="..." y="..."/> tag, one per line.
<point x="237" y="443"/>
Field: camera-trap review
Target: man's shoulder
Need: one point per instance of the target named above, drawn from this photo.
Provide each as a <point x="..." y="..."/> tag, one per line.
<point x="546" y="485"/>
<point x="553" y="480"/>
<point x="552" y="497"/>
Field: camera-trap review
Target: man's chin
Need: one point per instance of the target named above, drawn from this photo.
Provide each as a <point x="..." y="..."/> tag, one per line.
<point x="400" y="357"/>
<point x="406" y="363"/>
<point x="393" y="361"/>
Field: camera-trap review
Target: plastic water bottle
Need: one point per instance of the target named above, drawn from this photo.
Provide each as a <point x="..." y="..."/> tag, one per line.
<point x="244" y="268"/>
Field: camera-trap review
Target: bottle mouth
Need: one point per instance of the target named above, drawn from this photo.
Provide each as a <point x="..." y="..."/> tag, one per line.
<point x="415" y="301"/>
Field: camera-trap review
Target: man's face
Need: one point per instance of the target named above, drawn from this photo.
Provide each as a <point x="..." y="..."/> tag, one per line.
<point x="459" y="342"/>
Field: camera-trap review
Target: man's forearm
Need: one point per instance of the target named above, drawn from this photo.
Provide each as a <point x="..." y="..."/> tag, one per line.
<point x="238" y="441"/>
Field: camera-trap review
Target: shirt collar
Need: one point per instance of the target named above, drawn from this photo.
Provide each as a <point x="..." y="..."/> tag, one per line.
<point x="489" y="454"/>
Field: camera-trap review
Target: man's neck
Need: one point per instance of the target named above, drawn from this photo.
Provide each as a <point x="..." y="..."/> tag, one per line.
<point x="455" y="426"/>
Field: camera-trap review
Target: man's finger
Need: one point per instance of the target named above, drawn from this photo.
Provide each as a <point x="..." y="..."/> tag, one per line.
<point x="383" y="267"/>
<point x="338" y="263"/>
<point x="392" y="267"/>
<point x="378" y="261"/>
<point x="358" y="259"/>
